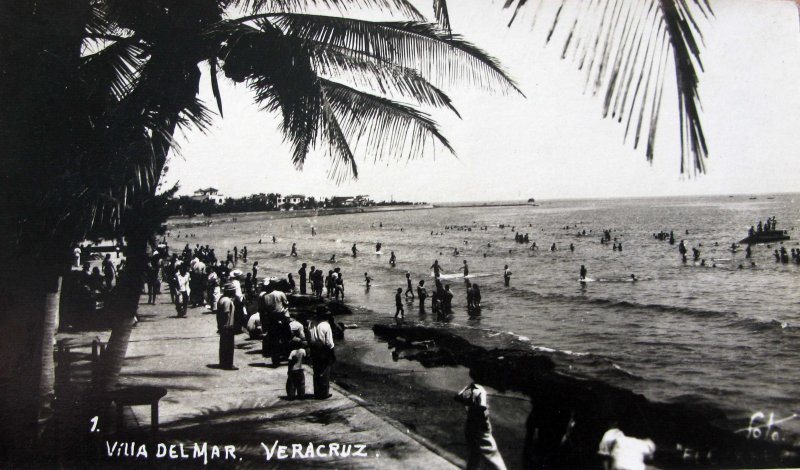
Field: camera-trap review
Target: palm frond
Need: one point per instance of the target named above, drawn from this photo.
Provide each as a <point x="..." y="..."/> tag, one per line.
<point x="212" y="63"/>
<point x="195" y="115"/>
<point x="441" y="58"/>
<point x="381" y="127"/>
<point x="623" y="47"/>
<point x="278" y="69"/>
<point x="343" y="162"/>
<point x="395" y="8"/>
<point x="368" y="73"/>
<point x="442" y="15"/>
<point x="114" y="69"/>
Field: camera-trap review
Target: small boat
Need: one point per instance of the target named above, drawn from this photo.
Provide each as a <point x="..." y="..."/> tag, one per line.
<point x="766" y="237"/>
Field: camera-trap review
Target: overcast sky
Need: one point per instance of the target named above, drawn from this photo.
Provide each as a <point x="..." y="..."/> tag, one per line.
<point x="553" y="143"/>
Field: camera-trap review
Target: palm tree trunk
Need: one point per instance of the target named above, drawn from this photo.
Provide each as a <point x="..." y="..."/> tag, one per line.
<point x="123" y="307"/>
<point x="47" y="374"/>
<point x="38" y="123"/>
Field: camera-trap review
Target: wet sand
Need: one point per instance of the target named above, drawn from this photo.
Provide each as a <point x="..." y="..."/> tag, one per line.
<point x="422" y="398"/>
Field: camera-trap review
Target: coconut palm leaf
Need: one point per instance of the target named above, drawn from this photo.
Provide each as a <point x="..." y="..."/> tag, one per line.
<point x="278" y="69"/>
<point x="114" y="68"/>
<point x="626" y="48"/>
<point x="441" y="14"/>
<point x="369" y="73"/>
<point x="381" y="127"/>
<point x="343" y="162"/>
<point x="441" y="58"/>
<point x="395" y="8"/>
<point x="212" y="64"/>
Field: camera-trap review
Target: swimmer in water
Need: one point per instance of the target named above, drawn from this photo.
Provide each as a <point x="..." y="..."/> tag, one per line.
<point x="333" y="258"/>
<point x="354" y="250"/>
<point x="633" y="278"/>
<point x="399" y="304"/>
<point x="367" y="280"/>
<point x="465" y="269"/>
<point x="583" y="272"/>
<point x="392" y="259"/>
<point x="436" y="268"/>
<point x="410" y="289"/>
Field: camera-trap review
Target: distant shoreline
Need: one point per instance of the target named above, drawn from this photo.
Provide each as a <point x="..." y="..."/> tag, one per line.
<point x="486" y="204"/>
<point x="199" y="220"/>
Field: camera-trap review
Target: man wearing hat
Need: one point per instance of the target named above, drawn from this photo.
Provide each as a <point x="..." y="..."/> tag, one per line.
<point x="226" y="327"/>
<point x="320" y="339"/>
<point x="273" y="310"/>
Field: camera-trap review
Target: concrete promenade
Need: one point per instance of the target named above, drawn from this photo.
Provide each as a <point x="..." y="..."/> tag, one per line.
<point x="247" y="408"/>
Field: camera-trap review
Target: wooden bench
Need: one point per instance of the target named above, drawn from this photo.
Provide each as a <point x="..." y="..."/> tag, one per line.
<point x="135" y="396"/>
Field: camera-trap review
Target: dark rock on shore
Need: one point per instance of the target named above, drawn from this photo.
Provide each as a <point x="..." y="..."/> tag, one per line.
<point x="570" y="414"/>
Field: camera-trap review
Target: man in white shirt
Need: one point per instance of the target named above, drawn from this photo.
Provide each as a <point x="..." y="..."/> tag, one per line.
<point x="182" y="280"/>
<point x="624" y="453"/>
<point x="320" y="338"/>
<point x="478" y="430"/>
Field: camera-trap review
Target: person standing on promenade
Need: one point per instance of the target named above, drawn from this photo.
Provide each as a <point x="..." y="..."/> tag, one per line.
<point x="398" y="302"/>
<point x="320" y="338"/>
<point x="76" y="257"/>
<point x="410" y="288"/>
<point x="506" y="276"/>
<point x="255" y="273"/>
<point x="422" y="293"/>
<point x="183" y="291"/>
<point x="152" y="280"/>
<point x="296" y="375"/>
<point x="226" y="327"/>
<point x="109" y="271"/>
<point x="214" y="290"/>
<point x="478" y="430"/>
<point x="302" y="273"/>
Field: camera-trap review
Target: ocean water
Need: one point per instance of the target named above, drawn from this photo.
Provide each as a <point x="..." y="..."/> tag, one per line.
<point x="683" y="333"/>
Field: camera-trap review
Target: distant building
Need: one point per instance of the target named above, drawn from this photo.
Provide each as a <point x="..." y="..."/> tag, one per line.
<point x="340" y="201"/>
<point x="208" y="195"/>
<point x="291" y="199"/>
<point x="363" y="200"/>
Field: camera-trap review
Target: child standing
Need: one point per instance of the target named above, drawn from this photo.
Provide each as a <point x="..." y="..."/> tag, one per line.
<point x="296" y="376"/>
<point x="399" y="303"/>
